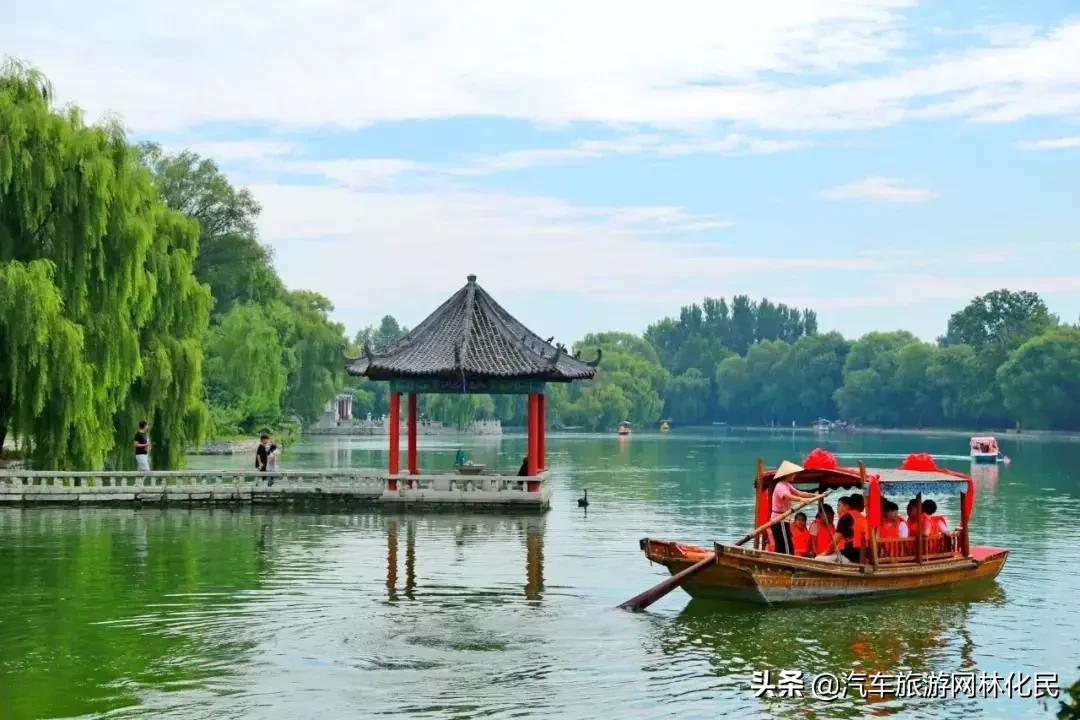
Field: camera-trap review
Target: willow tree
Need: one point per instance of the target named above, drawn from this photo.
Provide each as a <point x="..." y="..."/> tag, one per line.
<point x="83" y="229"/>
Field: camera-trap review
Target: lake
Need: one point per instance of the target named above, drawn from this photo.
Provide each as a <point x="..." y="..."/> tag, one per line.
<point x="252" y="613"/>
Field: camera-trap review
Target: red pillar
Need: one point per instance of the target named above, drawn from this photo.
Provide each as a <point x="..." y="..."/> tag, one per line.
<point x="395" y="423"/>
<point x="533" y="445"/>
<point x="542" y="427"/>
<point x="412" y="434"/>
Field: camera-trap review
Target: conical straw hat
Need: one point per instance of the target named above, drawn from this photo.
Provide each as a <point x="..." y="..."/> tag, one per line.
<point x="787" y="468"/>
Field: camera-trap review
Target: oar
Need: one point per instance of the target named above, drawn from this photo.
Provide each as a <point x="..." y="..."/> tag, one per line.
<point x="647" y="598"/>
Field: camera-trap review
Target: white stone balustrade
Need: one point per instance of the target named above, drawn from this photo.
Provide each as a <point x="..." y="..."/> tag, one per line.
<point x="345" y="485"/>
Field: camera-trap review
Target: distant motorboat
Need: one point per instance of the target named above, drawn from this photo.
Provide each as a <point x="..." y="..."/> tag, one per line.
<point x="985" y="451"/>
<point x="624" y="428"/>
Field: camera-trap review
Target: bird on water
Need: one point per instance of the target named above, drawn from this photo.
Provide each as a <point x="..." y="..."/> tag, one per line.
<point x="584" y="501"/>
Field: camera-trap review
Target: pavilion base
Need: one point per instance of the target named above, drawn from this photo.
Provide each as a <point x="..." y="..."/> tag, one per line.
<point x="489" y="489"/>
<point x="337" y="487"/>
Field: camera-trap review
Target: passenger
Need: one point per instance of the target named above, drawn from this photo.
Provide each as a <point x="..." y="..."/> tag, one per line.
<point x="892" y="527"/>
<point x="933" y="524"/>
<point x="800" y="536"/>
<point x="912" y="521"/>
<point x="835" y="550"/>
<point x="852" y="527"/>
<point x="822" y="529"/>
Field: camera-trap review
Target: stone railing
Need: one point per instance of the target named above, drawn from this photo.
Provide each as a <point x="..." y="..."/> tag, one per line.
<point x="177" y="478"/>
<point x="344" y="485"/>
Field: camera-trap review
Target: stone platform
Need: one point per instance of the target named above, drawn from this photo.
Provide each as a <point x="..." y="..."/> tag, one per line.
<point x="334" y="486"/>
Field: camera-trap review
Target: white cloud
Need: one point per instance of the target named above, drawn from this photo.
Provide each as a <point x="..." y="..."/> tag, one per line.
<point x="882" y="189"/>
<point x="901" y="290"/>
<point x="327" y="238"/>
<point x="775" y="64"/>
<point x="1061" y="143"/>
<point x="232" y="150"/>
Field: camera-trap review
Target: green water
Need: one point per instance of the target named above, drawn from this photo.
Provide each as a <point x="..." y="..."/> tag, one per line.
<point x="266" y="614"/>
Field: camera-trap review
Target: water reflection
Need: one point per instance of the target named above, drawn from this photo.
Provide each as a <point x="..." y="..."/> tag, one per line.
<point x="985" y="477"/>
<point x="925" y="633"/>
<point x="463" y="529"/>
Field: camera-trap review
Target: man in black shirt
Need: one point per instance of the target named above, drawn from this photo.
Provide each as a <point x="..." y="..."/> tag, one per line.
<point x="262" y="453"/>
<point x="141" y="443"/>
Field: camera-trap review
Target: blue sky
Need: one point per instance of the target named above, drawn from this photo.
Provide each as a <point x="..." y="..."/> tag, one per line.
<point x="598" y="165"/>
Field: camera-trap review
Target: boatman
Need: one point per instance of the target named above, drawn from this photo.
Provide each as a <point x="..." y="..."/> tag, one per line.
<point x="782" y="494"/>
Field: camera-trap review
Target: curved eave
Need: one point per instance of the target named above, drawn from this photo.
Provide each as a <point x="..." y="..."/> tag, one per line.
<point x="365" y="368"/>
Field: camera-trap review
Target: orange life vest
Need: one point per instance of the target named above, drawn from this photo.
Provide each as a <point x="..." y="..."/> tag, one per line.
<point x="889" y="530"/>
<point x="932" y="524"/>
<point x="911" y="527"/>
<point x="858" y="535"/>
<point x="800" y="539"/>
<point x="822" y="538"/>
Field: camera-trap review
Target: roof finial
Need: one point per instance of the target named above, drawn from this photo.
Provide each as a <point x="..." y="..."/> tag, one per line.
<point x="471" y="278"/>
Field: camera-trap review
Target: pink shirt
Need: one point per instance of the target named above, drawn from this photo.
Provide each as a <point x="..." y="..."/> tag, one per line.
<point x="781" y="498"/>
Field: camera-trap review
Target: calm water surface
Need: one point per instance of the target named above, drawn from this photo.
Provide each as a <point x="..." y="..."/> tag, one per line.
<point x="265" y="614"/>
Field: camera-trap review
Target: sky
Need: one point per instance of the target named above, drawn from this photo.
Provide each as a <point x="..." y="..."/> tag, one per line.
<point x="600" y="164"/>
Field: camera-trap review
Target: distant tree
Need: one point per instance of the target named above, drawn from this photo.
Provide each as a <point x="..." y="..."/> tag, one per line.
<point x="733" y="389"/>
<point x="231" y="260"/>
<point x="687" y="398"/>
<point x="382" y="336"/>
<point x="244" y="369"/>
<point x="317" y="346"/>
<point x="1003" y="318"/>
<point x="743" y="324"/>
<point x="811" y="374"/>
<point x="1040" y="381"/>
<point x="954" y="371"/>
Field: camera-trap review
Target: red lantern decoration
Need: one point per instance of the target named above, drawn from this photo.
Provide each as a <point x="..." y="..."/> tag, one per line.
<point x="820" y="459"/>
<point x="923" y="462"/>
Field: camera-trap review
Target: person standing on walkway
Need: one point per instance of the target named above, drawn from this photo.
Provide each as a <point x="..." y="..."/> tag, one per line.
<point x="141" y="443"/>
<point x="262" y="453"/>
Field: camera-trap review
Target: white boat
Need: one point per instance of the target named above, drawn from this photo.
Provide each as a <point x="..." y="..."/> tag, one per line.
<point x="985" y="450"/>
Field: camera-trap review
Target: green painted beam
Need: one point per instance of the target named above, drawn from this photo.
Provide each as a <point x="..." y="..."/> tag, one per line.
<point x="431" y="386"/>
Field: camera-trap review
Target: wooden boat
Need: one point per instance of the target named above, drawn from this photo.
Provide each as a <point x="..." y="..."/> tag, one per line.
<point x="889" y="566"/>
<point x="624" y="428"/>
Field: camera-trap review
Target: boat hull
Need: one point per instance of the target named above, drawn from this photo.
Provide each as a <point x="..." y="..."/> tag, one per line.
<point x="754" y="576"/>
<point x="985" y="459"/>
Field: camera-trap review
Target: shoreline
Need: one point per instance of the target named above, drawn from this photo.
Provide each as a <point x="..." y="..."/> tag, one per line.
<point x="1066" y="435"/>
<point x="227" y="447"/>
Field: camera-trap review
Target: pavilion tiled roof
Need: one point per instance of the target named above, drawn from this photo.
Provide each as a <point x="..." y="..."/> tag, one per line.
<point x="471" y="336"/>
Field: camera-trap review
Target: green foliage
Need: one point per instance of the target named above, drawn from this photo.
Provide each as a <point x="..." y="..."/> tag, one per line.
<point x="317" y="346"/>
<point x="1003" y="318"/>
<point x="231" y="260"/>
<point x="107" y="266"/>
<point x="459" y="410"/>
<point x="271" y="353"/>
<point x="244" y="370"/>
<point x="376" y="338"/>
<point x="629" y="385"/>
<point x="687" y="398"/>
<point x="1041" y="380"/>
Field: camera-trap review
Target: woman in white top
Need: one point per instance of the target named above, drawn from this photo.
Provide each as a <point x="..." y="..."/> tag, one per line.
<point x="781" y="496"/>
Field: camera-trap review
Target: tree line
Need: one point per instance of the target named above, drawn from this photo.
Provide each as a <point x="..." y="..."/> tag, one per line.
<point x="1004" y="360"/>
<point x="133" y="286"/>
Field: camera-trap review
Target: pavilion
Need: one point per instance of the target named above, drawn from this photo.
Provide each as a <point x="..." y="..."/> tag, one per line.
<point x="470" y="344"/>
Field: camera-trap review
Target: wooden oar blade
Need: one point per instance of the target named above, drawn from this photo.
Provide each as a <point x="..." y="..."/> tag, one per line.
<point x="647" y="598"/>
